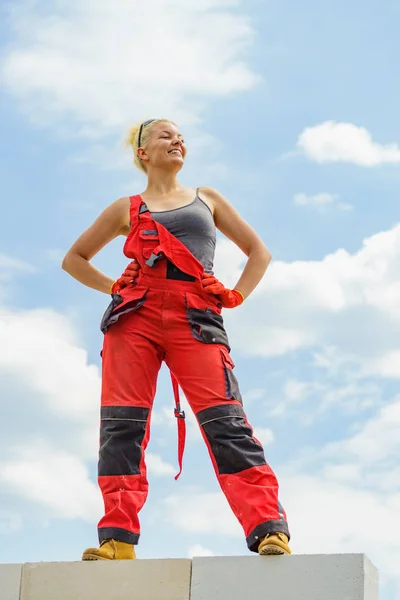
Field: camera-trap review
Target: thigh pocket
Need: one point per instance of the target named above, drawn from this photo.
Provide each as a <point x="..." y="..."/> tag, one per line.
<point x="119" y="306"/>
<point x="205" y="320"/>
<point x="231" y="383"/>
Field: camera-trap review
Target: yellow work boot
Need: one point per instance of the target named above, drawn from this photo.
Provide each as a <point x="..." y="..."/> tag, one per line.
<point x="110" y="550"/>
<point x="274" y="543"/>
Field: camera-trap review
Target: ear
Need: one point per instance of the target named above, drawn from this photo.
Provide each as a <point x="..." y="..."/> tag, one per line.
<point x="142" y="154"/>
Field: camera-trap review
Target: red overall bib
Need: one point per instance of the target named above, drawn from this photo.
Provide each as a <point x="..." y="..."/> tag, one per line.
<point x="166" y="316"/>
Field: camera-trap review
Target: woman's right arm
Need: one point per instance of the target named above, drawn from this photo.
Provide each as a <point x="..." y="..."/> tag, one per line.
<point x="112" y="222"/>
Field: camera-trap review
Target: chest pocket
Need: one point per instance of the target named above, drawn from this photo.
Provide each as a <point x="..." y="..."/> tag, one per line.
<point x="149" y="241"/>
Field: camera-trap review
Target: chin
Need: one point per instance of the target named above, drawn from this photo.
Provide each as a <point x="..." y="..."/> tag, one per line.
<point x="176" y="162"/>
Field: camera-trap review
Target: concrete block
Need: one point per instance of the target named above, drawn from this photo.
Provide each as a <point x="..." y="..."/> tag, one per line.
<point x="111" y="580"/>
<point x="315" y="577"/>
<point x="10" y="581"/>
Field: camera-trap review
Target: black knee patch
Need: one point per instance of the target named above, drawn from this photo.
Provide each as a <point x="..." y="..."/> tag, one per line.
<point x="231" y="439"/>
<point x="121" y="437"/>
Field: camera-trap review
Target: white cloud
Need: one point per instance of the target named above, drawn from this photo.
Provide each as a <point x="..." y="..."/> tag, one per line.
<point x="254" y="395"/>
<point x="54" y="479"/>
<point x="44" y="368"/>
<point x="387" y="365"/>
<point x="198" y="550"/>
<point x="296" y="390"/>
<point x="157" y="466"/>
<point x="308" y="401"/>
<point x="102" y="66"/>
<point x="197" y="512"/>
<point x="344" y="142"/>
<point x="321" y="201"/>
<point x="55" y="254"/>
<point x="326" y="516"/>
<point x="323" y="303"/>
<point x="378" y="440"/>
<point x="9" y="264"/>
<point x="264" y="435"/>
<point x="316" y="200"/>
<point x="41" y="350"/>
<point x="334" y="495"/>
<point x="228" y="263"/>
<point x="163" y="416"/>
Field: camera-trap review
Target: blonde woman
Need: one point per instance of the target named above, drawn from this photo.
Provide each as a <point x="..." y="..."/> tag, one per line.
<point x="167" y="307"/>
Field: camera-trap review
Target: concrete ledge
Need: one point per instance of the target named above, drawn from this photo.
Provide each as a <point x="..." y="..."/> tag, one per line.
<point x="10" y="581"/>
<point x="315" y="577"/>
<point x="119" y="580"/>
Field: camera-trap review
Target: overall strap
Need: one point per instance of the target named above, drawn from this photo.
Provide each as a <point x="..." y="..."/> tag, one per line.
<point x="180" y="415"/>
<point x="138" y="210"/>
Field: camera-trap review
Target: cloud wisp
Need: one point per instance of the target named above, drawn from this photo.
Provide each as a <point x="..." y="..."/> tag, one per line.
<point x="91" y="68"/>
<point x="331" y="142"/>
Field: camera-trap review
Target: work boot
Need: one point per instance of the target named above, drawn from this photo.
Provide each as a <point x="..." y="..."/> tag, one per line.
<point x="110" y="550"/>
<point x="274" y="543"/>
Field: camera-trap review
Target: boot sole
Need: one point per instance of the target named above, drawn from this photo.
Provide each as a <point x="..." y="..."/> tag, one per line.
<point x="95" y="557"/>
<point x="272" y="550"/>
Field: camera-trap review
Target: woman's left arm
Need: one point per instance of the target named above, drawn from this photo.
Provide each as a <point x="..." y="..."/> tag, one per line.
<point x="234" y="227"/>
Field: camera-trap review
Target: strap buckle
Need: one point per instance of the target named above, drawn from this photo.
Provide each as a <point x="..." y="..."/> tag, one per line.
<point x="153" y="259"/>
<point x="178" y="412"/>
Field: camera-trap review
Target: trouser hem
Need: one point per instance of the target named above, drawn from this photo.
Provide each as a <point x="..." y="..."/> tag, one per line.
<point x="253" y="540"/>
<point x="115" y="533"/>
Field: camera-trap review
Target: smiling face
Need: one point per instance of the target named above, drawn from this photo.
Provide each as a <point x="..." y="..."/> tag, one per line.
<point x="164" y="147"/>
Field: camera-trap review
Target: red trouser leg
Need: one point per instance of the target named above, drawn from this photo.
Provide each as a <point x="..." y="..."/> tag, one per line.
<point x="205" y="374"/>
<point x="133" y="350"/>
<point x="131" y="363"/>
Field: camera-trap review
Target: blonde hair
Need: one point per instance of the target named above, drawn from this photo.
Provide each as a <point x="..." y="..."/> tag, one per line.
<point x="133" y="139"/>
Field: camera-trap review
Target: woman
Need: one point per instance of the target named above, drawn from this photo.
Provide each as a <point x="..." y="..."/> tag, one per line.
<point x="167" y="307"/>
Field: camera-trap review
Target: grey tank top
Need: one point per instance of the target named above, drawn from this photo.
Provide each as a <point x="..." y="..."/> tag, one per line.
<point x="193" y="224"/>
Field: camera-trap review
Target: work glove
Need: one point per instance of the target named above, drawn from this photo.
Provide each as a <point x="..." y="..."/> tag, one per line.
<point x="127" y="277"/>
<point x="228" y="298"/>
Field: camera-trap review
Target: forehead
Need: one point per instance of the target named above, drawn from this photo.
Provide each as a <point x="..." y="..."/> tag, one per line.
<point x="166" y="126"/>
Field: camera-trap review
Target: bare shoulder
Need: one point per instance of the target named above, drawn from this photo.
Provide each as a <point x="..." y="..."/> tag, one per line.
<point x="118" y="215"/>
<point x="112" y="222"/>
<point x="211" y="197"/>
<point x="117" y="208"/>
<point x="228" y="220"/>
<point x="122" y="207"/>
<point x="216" y="201"/>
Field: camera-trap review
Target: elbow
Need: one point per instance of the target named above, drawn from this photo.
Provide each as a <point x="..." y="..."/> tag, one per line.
<point x="263" y="255"/>
<point x="66" y="262"/>
<point x="72" y="260"/>
<point x="268" y="257"/>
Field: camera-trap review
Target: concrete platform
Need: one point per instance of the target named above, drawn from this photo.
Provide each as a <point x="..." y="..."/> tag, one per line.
<point x="119" y="580"/>
<point x="10" y="582"/>
<point x="315" y="577"/>
<point x="311" y="577"/>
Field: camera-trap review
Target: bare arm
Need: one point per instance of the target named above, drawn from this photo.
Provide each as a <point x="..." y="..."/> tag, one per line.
<point x="111" y="223"/>
<point x="231" y="224"/>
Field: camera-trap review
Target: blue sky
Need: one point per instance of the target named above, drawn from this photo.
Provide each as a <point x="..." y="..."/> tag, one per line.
<point x="290" y="110"/>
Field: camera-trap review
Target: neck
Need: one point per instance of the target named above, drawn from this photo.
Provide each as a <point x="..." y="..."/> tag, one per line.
<point x="161" y="183"/>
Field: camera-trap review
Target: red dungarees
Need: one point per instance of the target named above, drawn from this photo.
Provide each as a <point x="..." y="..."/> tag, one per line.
<point x="159" y="318"/>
